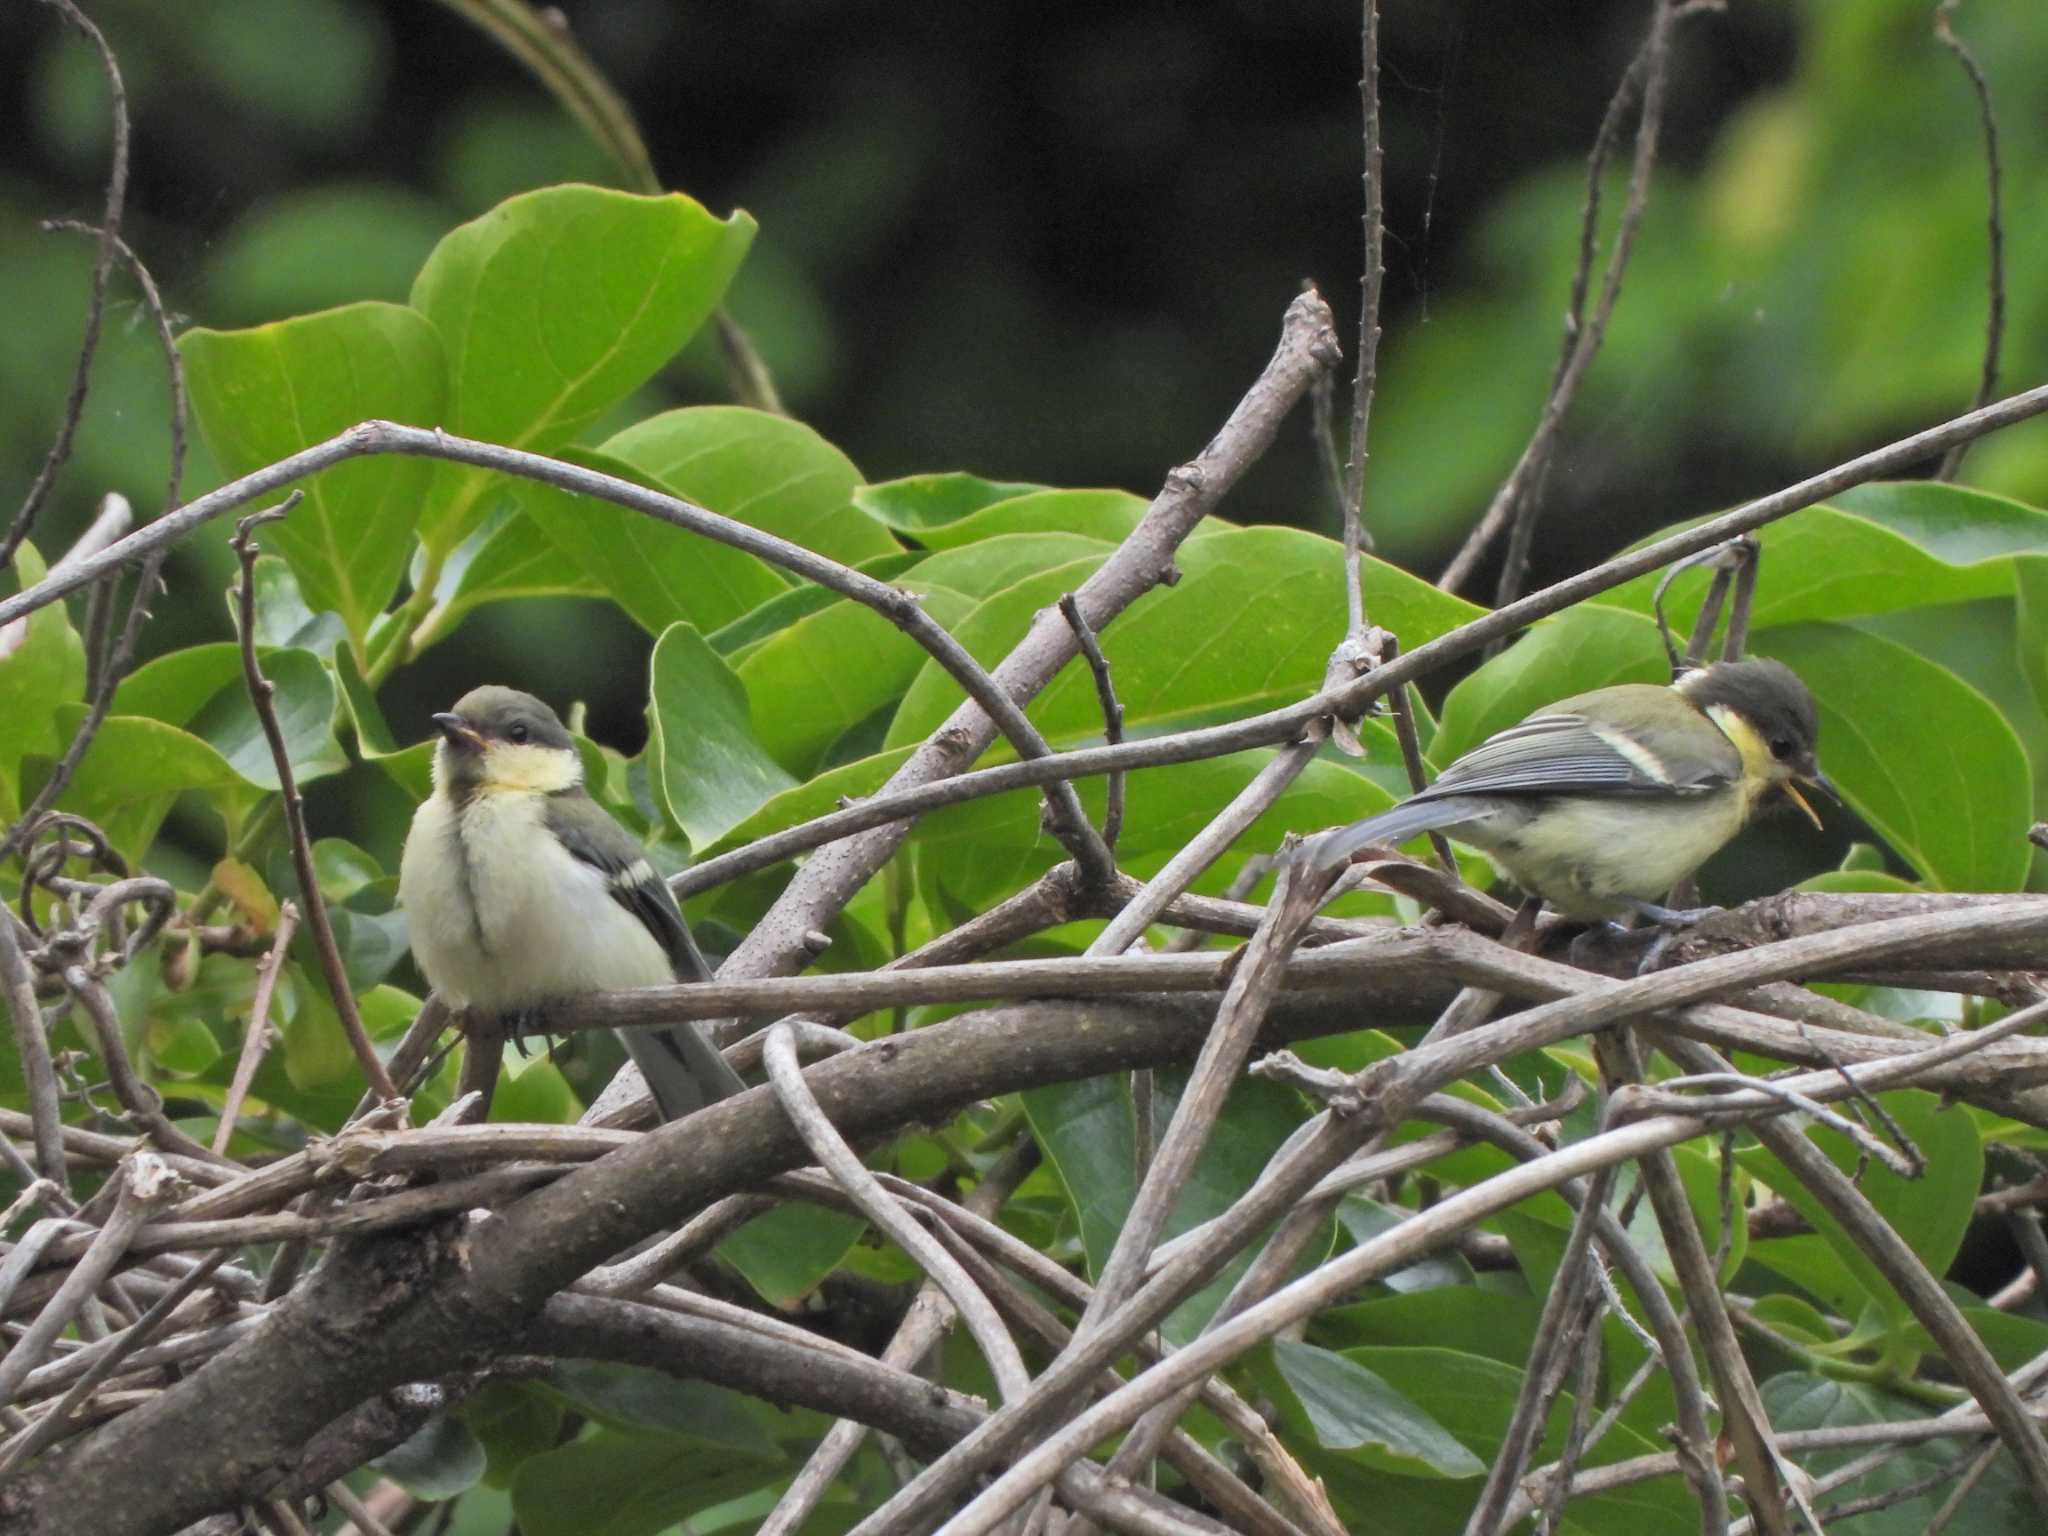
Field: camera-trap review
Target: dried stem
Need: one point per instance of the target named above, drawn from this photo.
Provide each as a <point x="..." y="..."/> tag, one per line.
<point x="1994" y="220"/>
<point x="258" y="1034"/>
<point x="1582" y="339"/>
<point x="32" y="1050"/>
<point x="102" y="270"/>
<point x="260" y="691"/>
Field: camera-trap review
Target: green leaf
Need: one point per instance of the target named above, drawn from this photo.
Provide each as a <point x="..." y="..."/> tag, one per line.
<point x="1351" y="1408"/>
<point x="634" y="1397"/>
<point x="411" y="767"/>
<point x="1878" y="549"/>
<point x="507" y="557"/>
<point x="42" y="669"/>
<point x="1891" y="726"/>
<point x="283" y="617"/>
<point x="2030" y="579"/>
<point x="919" y="504"/>
<point x="1931" y="1213"/>
<point x="1105" y="515"/>
<point x="512" y="1420"/>
<point x="767" y="471"/>
<point x="555" y="306"/>
<point x="736" y="640"/>
<point x="201" y="689"/>
<point x="813" y="798"/>
<point x="615" y="1483"/>
<point x="437" y="1461"/>
<point x="984" y="569"/>
<point x="1585" y="648"/>
<point x="787" y="1252"/>
<point x="660" y="575"/>
<point x="1250" y="625"/>
<point x="1089" y="1135"/>
<point x="130" y="775"/>
<point x="264" y="393"/>
<point x="979" y="851"/>
<point x="1998" y="1505"/>
<point x="709" y="772"/>
<point x="814" y="680"/>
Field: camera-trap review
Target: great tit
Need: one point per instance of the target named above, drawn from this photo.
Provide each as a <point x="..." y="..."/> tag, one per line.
<point x="1604" y="801"/>
<point x="519" y="888"/>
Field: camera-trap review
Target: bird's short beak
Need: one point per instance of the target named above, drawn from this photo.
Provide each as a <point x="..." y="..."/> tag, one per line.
<point x="1811" y="776"/>
<point x="463" y="737"/>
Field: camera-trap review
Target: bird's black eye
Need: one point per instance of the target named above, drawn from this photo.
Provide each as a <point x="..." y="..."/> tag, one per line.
<point x="516" y="733"/>
<point x="1782" y="748"/>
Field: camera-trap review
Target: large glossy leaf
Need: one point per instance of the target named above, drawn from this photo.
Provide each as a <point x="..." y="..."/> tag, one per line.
<point x="978" y="852"/>
<point x="1088" y="1132"/>
<point x="623" y="1483"/>
<point x="814" y="680"/>
<point x="42" y="669"/>
<point x="1876" y="550"/>
<point x="767" y="471"/>
<point x="1997" y="1504"/>
<point x="1931" y="1213"/>
<point x="507" y="557"/>
<point x="633" y="1397"/>
<point x="659" y="574"/>
<point x="919" y="505"/>
<point x="1250" y="625"/>
<point x="201" y="689"/>
<point x="786" y="1253"/>
<point x="130" y="775"/>
<point x="1893" y="727"/>
<point x="709" y="773"/>
<point x="555" y="306"/>
<point x="267" y="392"/>
<point x="438" y="1460"/>
<point x="1579" y="650"/>
<point x="1469" y="1398"/>
<point x="1107" y="515"/>
<point x="1352" y="1409"/>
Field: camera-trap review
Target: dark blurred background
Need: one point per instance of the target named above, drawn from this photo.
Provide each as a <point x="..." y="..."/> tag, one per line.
<point x="1053" y="241"/>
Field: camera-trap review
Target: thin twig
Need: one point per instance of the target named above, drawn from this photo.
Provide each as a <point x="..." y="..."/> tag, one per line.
<point x="845" y="1166"/>
<point x="111" y="663"/>
<point x="1368" y="317"/>
<point x="258" y="1034"/>
<point x="929" y="1316"/>
<point x="145" y="1183"/>
<point x="102" y="271"/>
<point x="1582" y="338"/>
<point x="1994" y="276"/>
<point x="260" y="691"/>
<point x="32" y="1050"/>
<point x="138" y="1098"/>
<point x="56" y="1420"/>
<point x="1112" y="712"/>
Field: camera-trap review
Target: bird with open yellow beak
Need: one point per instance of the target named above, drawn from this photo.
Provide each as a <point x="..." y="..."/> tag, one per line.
<point x="1602" y="802"/>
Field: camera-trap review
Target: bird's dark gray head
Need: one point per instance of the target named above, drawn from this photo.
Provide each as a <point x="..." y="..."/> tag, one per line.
<point x="500" y="738"/>
<point x="1769" y="714"/>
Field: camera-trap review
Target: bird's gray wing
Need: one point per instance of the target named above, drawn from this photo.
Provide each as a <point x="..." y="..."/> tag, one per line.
<point x="1569" y="754"/>
<point x="684" y="1071"/>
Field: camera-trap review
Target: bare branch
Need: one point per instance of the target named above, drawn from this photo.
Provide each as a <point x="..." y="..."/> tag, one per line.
<point x="1994" y="275"/>
<point x="32" y="1049"/>
<point x="1112" y="711"/>
<point x="260" y="691"/>
<point x="102" y="270"/>
<point x="258" y="1034"/>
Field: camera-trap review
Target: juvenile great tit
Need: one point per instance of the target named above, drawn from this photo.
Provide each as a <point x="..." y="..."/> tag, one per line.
<point x="519" y="888"/>
<point x="1604" y="801"/>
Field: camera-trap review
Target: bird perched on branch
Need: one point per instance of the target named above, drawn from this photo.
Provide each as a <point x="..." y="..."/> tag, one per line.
<point x="1604" y="801"/>
<point x="519" y="888"/>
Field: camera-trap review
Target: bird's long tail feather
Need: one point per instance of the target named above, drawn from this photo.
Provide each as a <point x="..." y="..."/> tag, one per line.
<point x="1409" y="819"/>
